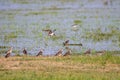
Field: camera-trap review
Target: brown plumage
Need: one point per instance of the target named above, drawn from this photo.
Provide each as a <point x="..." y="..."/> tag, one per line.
<point x="67" y="53"/>
<point x="24" y="51"/>
<point x="40" y="53"/>
<point x="105" y="2"/>
<point x="87" y="52"/>
<point x="66" y="43"/>
<point x="50" y="32"/>
<point x="59" y="53"/>
<point x="8" y="53"/>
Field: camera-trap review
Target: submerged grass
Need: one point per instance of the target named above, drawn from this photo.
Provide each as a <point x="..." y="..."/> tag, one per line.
<point x="78" y="22"/>
<point x="41" y="13"/>
<point x="57" y="37"/>
<point x="99" y="35"/>
<point x="11" y="35"/>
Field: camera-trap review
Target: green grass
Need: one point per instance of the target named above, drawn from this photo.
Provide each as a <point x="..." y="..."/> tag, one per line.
<point x="108" y="58"/>
<point x="58" y="75"/>
<point x="87" y="59"/>
<point x="73" y="67"/>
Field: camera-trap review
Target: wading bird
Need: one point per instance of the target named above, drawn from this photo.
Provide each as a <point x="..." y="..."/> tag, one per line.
<point x="67" y="53"/>
<point x="24" y="51"/>
<point x="50" y="32"/>
<point x="75" y="27"/>
<point x="8" y="52"/>
<point x="66" y="43"/>
<point x="59" y="53"/>
<point x="40" y="53"/>
<point x="87" y="52"/>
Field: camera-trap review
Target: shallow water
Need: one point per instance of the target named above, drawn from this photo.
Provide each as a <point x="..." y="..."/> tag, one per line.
<point x="21" y="24"/>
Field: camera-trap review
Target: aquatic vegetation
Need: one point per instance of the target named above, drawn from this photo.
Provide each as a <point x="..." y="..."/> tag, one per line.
<point x="3" y="47"/>
<point x="2" y="51"/>
<point x="57" y="37"/>
<point x="98" y="35"/>
<point x="10" y="35"/>
<point x="78" y="22"/>
<point x="65" y="1"/>
<point x="21" y="23"/>
<point x="40" y="13"/>
<point x="21" y="2"/>
<point x="40" y="34"/>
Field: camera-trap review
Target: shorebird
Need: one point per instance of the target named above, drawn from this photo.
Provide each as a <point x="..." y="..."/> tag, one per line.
<point x="66" y="43"/>
<point x="67" y="53"/>
<point x="87" y="52"/>
<point x="50" y="32"/>
<point x="105" y="2"/>
<point x="100" y="52"/>
<point x="59" y="53"/>
<point x="8" y="52"/>
<point x="75" y="27"/>
<point x="24" y="51"/>
<point x="40" y="53"/>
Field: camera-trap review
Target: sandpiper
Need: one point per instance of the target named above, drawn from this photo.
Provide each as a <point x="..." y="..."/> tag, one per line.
<point x="40" y="53"/>
<point x="105" y="2"/>
<point x="8" y="52"/>
<point x="50" y="32"/>
<point x="75" y="27"/>
<point x="87" y="52"/>
<point x="24" y="51"/>
<point x="59" y="53"/>
<point x="67" y="53"/>
<point x="66" y="43"/>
